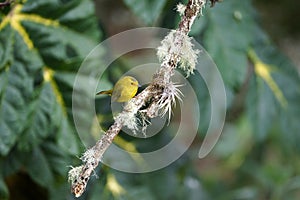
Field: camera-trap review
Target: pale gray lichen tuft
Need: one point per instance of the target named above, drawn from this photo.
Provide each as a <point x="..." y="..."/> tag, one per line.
<point x="89" y="156"/>
<point x="189" y="56"/>
<point x="181" y="46"/>
<point x="129" y="120"/>
<point x="74" y="173"/>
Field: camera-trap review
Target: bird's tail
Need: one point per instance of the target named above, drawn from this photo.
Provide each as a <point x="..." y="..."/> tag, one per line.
<point x="109" y="92"/>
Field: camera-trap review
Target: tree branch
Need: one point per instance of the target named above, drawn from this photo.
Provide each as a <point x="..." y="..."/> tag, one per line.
<point x="6" y="3"/>
<point x="176" y="50"/>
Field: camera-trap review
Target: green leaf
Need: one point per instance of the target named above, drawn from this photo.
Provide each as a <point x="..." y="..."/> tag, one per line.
<point x="57" y="50"/>
<point x="76" y="15"/>
<point x="67" y="140"/>
<point x="57" y="159"/>
<point x="289" y="125"/>
<point x="3" y="190"/>
<point x="261" y="107"/>
<point x="81" y="18"/>
<point x="38" y="40"/>
<point x="12" y="162"/>
<point x="39" y="118"/>
<point x="5" y="48"/>
<point x="287" y="78"/>
<point x="17" y="85"/>
<point x="264" y="107"/>
<point x="227" y="37"/>
<point x="147" y="10"/>
<point x="38" y="168"/>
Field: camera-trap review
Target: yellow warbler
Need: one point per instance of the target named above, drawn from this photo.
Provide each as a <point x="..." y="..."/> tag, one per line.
<point x="124" y="89"/>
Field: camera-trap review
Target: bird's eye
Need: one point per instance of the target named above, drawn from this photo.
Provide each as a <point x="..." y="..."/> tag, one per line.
<point x="131" y="83"/>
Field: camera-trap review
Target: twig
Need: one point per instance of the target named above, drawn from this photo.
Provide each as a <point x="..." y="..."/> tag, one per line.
<point x="5" y="3"/>
<point x="176" y="50"/>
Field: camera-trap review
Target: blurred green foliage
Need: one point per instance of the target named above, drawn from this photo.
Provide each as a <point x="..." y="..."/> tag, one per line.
<point x="42" y="44"/>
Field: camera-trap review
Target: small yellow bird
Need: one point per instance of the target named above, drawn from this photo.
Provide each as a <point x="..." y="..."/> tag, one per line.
<point x="124" y="89"/>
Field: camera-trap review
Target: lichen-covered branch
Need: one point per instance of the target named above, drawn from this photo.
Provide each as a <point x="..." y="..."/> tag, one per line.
<point x="175" y="50"/>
